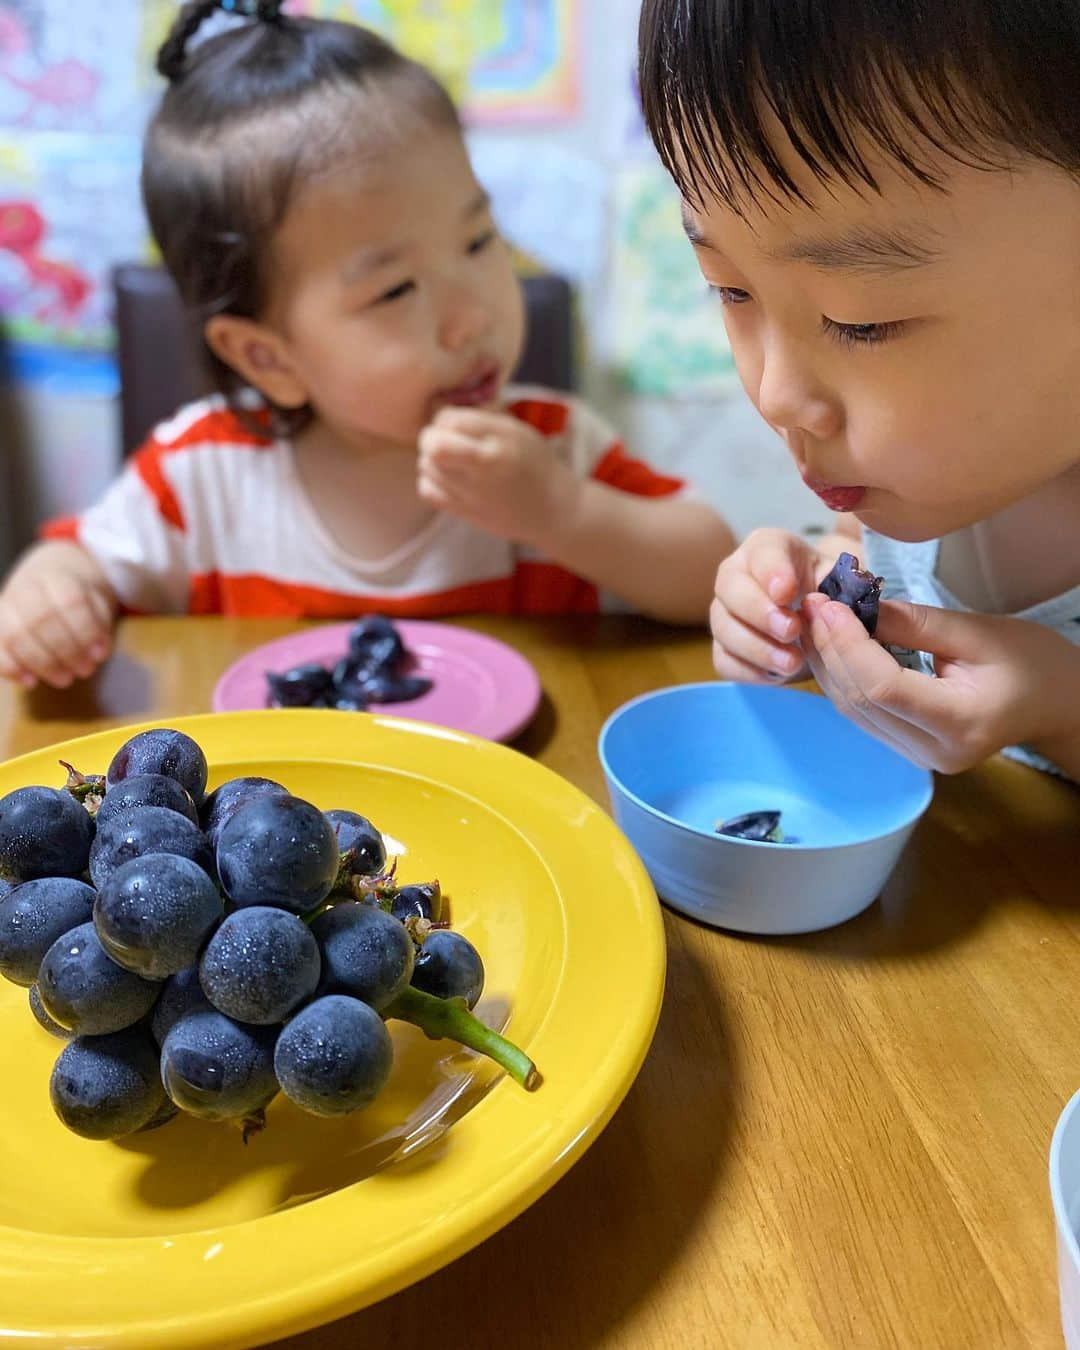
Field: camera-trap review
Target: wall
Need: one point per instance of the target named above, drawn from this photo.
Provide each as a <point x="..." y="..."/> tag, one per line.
<point x="575" y="184"/>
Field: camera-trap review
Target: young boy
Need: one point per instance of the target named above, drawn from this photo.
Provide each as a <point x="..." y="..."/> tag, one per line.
<point x="885" y="196"/>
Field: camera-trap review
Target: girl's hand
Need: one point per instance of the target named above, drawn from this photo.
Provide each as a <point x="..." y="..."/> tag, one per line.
<point x="495" y="472"/>
<point x="1000" y="681"/>
<point x="56" y="617"/>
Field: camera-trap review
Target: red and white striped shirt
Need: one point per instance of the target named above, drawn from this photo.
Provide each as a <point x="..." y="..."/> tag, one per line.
<point x="210" y="517"/>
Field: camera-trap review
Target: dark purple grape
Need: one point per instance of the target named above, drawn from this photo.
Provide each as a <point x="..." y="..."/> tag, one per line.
<point x="363" y="853"/>
<point x="260" y="965"/>
<point x="366" y="953"/>
<point x="348" y="705"/>
<point x="417" y="902"/>
<point x="162" y="750"/>
<point x="227" y="799"/>
<point x="43" y="1019"/>
<point x="334" y="1056"/>
<point x="278" y="851"/>
<point x="167" y="1111"/>
<point x="375" y="644"/>
<point x="300" y="686"/>
<point x="449" y="966"/>
<point x="104" y="1087"/>
<point x="33" y="916"/>
<point x="44" y="832"/>
<point x="147" y="829"/>
<point x="146" y="789"/>
<point x="384" y="688"/>
<point x="349" y="685"/>
<point x="217" y="1069"/>
<point x="860" y="591"/>
<point x="82" y="988"/>
<point x="180" y="994"/>
<point x="154" y="914"/>
<point x="763" y="826"/>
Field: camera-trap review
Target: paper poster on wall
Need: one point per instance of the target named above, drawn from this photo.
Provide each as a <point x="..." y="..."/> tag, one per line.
<point x="503" y="60"/>
<point x="66" y="65"/>
<point x="668" y="335"/>
<point x="556" y="211"/>
<point x="69" y="210"/>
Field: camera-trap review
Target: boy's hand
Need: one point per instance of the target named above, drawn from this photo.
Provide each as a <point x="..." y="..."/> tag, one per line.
<point x="56" y="618"/>
<point x="495" y="472"/>
<point x="755" y="628"/>
<point x="999" y="681"/>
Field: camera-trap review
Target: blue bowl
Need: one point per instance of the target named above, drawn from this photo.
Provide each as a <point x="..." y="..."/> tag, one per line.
<point x="680" y="760"/>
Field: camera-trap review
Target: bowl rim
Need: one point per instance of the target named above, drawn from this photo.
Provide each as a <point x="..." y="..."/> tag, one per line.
<point x="1062" y="1222"/>
<point x="616" y="780"/>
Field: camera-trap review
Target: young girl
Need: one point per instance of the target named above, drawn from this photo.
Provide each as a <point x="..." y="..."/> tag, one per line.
<point x="312" y="197"/>
<point x="885" y="195"/>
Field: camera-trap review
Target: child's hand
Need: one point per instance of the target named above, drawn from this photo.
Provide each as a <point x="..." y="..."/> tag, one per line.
<point x="755" y="629"/>
<point x="999" y="681"/>
<point x="56" y="616"/>
<point x="495" y="472"/>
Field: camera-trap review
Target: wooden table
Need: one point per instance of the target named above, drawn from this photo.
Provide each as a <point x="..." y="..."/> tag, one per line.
<point x="837" y="1141"/>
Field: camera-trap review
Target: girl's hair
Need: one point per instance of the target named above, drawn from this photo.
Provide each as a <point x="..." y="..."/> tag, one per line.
<point x="250" y="116"/>
<point x="982" y="80"/>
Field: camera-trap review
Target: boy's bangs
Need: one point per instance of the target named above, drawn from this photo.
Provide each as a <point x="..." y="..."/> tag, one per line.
<point x="840" y="77"/>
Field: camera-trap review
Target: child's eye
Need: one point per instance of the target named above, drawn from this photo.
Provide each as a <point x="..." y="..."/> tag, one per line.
<point x="730" y="295"/>
<point x="396" y="293"/>
<point x="481" y="241"/>
<point x="861" y="334"/>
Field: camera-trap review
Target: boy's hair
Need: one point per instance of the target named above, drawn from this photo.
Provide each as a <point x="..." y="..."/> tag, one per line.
<point x="982" y="80"/>
<point x="250" y="116"/>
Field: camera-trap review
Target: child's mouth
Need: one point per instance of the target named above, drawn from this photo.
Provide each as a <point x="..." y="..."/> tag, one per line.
<point x="480" y="388"/>
<point x="836" y="498"/>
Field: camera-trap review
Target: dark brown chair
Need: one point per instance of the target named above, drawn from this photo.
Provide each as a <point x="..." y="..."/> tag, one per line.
<point x="161" y="369"/>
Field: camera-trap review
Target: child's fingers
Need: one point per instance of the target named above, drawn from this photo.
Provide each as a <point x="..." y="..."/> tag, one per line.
<point x="12" y="671"/>
<point x="729" y="667"/>
<point x="751" y="648"/>
<point x="442" y="447"/>
<point x="782" y="564"/>
<point x="33" y="656"/>
<point x="742" y="595"/>
<point x="70" y="652"/>
<point x="78" y="631"/>
<point x="475" y="422"/>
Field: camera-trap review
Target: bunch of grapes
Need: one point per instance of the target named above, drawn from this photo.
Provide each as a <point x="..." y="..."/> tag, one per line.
<point x="203" y="953"/>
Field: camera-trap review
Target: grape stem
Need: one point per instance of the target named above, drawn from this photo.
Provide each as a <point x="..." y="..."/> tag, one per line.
<point x="87" y="789"/>
<point x="450" y="1019"/>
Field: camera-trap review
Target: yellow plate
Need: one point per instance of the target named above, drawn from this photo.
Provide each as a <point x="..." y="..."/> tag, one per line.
<point x="183" y="1237"/>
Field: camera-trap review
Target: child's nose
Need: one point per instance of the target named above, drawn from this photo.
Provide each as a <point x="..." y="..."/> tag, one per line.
<point x="465" y="321"/>
<point x="789" y="397"/>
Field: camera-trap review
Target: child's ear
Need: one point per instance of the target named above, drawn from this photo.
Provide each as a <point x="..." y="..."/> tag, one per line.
<point x="259" y="356"/>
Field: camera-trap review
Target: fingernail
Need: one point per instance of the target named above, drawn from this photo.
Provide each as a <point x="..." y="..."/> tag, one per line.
<point x="828" y="615"/>
<point x="780" y="624"/>
<point x="775" y="588"/>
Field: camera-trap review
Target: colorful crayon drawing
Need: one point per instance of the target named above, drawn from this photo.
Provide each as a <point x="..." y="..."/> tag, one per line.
<point x="669" y="338"/>
<point x="47" y="292"/>
<point x="503" y="60"/>
<point x="55" y="260"/>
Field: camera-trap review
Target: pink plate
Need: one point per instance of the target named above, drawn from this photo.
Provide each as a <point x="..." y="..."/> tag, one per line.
<point x="480" y="685"/>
